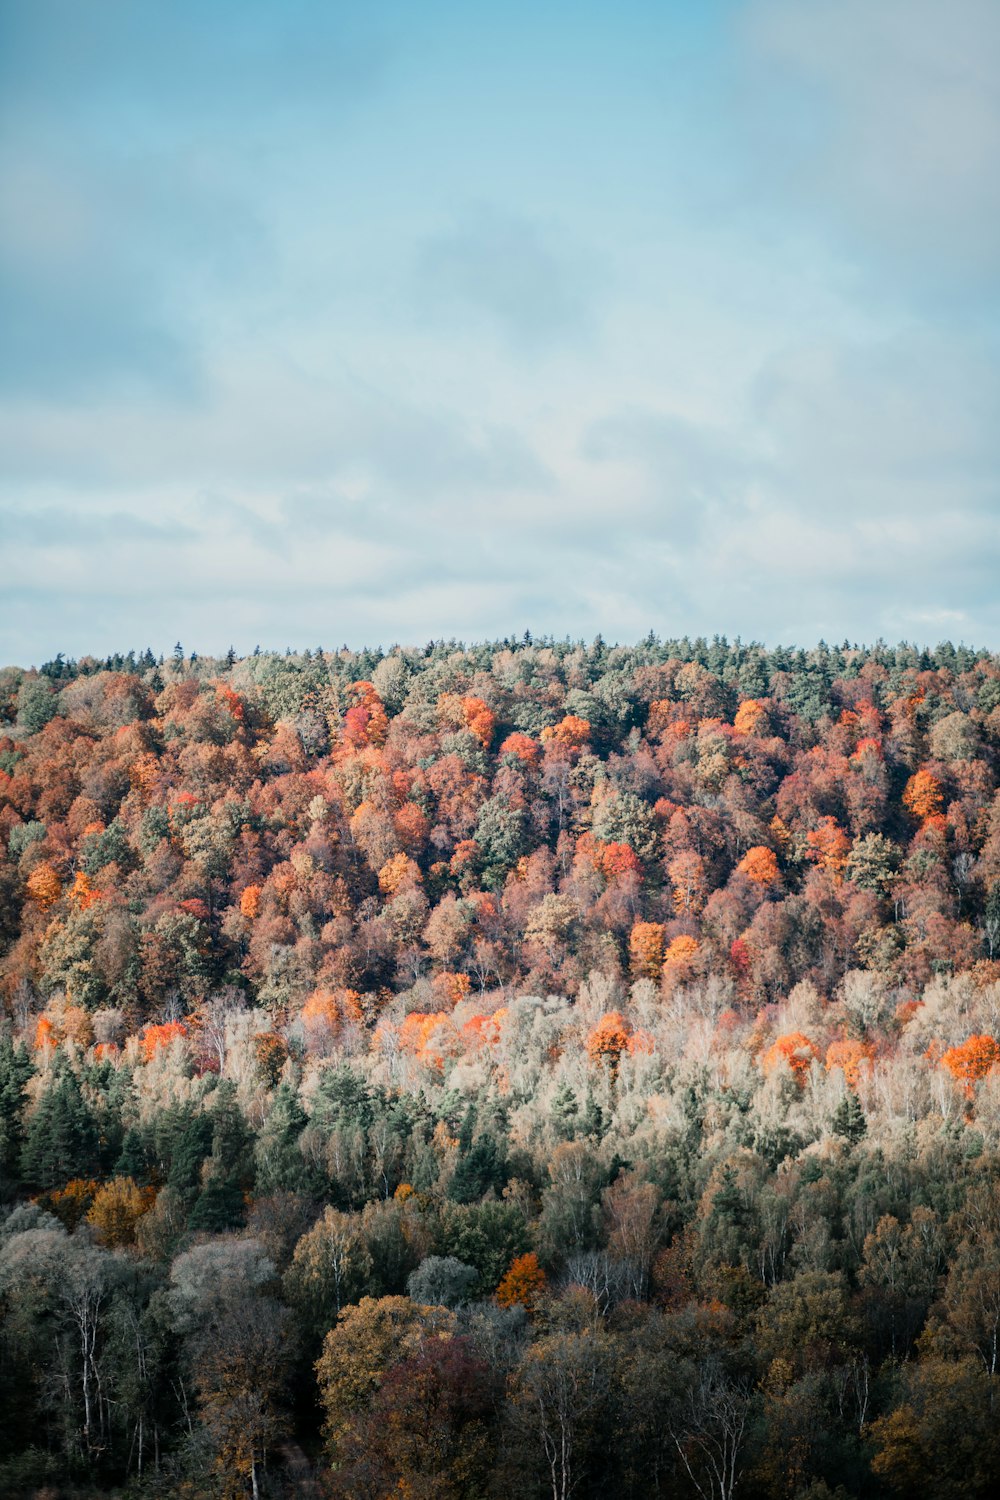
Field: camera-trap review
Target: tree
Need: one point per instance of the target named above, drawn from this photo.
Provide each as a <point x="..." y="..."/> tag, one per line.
<point x="560" y="1390"/>
<point x="991" y="920"/>
<point x="116" y="1210"/>
<point x="44" y="886"/>
<point x="37" y="704"/>
<point x="608" y="1040"/>
<point x="972" y="1060"/>
<point x="849" y="1118"/>
<point x="794" y="1049"/>
<point x="760" y="866"/>
<point x="524" y="1285"/>
<point x="427" y="1432"/>
<point x="708" y="1425"/>
<point x="942" y="1438"/>
<point x="366" y="1341"/>
<point x="872" y="863"/>
<point x="646" y="949"/>
<point x="280" y="1163"/>
<point x="922" y="795"/>
<point x="441" y="1280"/>
<point x="238" y="1352"/>
<point x="61" y="1140"/>
<point x="828" y="846"/>
<point x="16" y="1068"/>
<point x="330" y="1268"/>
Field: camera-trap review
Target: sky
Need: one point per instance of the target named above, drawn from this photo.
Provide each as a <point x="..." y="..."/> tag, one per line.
<point x="382" y="323"/>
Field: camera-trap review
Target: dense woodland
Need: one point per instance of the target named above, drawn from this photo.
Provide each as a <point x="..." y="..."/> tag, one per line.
<point x="524" y="1069"/>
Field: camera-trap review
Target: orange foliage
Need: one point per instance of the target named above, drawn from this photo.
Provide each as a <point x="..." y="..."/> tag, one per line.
<point x="658" y="718"/>
<point x="617" y="859"/>
<point x="250" y="902"/>
<point x="572" y="732"/>
<point x="117" y="1209"/>
<point x="428" y="1036"/>
<point x="398" y="873"/>
<point x="365" y="722"/>
<point x="271" y="1053"/>
<point x="972" y="1060"/>
<point x="850" y="1057"/>
<point x="751" y="717"/>
<point x="82" y="893"/>
<point x="922" y="796"/>
<point x="63" y="1022"/>
<point x="231" y="702"/>
<point x="646" y="949"/>
<point x="71" y="1203"/>
<point x="760" y="865"/>
<point x="320" y="1019"/>
<point x="527" y="750"/>
<point x="524" y="1284"/>
<point x="828" y="846"/>
<point x="44" y="1034"/>
<point x="796" y="1050"/>
<point x="412" y="828"/>
<point x="451" y="988"/>
<point x="609" y="1039"/>
<point x="44" y="886"/>
<point x="682" y="955"/>
<point x="155" y="1037"/>
<point x="480" y="720"/>
<point x="687" y="873"/>
<point x="463" y="855"/>
<point x="143" y="775"/>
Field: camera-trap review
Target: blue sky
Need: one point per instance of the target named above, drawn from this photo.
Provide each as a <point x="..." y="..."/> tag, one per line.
<point x="329" y="323"/>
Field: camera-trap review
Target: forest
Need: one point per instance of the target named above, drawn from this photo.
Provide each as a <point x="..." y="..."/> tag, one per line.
<point x="519" y="1069"/>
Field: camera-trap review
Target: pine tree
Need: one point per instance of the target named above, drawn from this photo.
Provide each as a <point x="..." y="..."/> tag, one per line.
<point x="62" y="1138"/>
<point x="849" y="1118"/>
<point x="16" y="1068"/>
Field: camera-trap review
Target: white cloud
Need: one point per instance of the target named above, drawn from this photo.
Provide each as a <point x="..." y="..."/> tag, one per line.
<point x="898" y="129"/>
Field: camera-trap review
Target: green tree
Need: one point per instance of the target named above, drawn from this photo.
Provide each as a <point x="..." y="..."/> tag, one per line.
<point x="16" y="1068"/>
<point x="61" y="1141"/>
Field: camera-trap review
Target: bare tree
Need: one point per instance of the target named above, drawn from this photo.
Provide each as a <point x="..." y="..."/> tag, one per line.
<point x="708" y="1425"/>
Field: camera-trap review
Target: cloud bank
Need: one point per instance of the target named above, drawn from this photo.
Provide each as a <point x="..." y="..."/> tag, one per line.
<point x="323" y="328"/>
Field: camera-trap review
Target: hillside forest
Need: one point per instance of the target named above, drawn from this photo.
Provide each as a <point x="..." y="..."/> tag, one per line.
<point x="526" y="1069"/>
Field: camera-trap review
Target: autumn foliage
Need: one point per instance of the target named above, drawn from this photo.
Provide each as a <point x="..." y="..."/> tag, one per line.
<point x="646" y="949"/>
<point x="972" y="1060"/>
<point x="154" y="1038"/>
<point x="524" y="1284"/>
<point x="795" y="1051"/>
<point x="760" y="866"/>
<point x="608" y="1039"/>
<point x="922" y="795"/>
<point x="515" y="1068"/>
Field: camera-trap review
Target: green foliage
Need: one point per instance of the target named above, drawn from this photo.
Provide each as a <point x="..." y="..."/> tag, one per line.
<point x="61" y="1141"/>
<point x="849" y="1118"/>
<point x="37" y="704"/>
<point x="23" y="835"/>
<point x="16" y="1068"/>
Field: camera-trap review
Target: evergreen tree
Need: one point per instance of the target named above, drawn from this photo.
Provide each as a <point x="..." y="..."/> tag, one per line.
<point x="16" y="1068"/>
<point x="280" y="1163"/>
<point x="134" y="1159"/>
<point x="62" y="1139"/>
<point x="849" y="1118"/>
